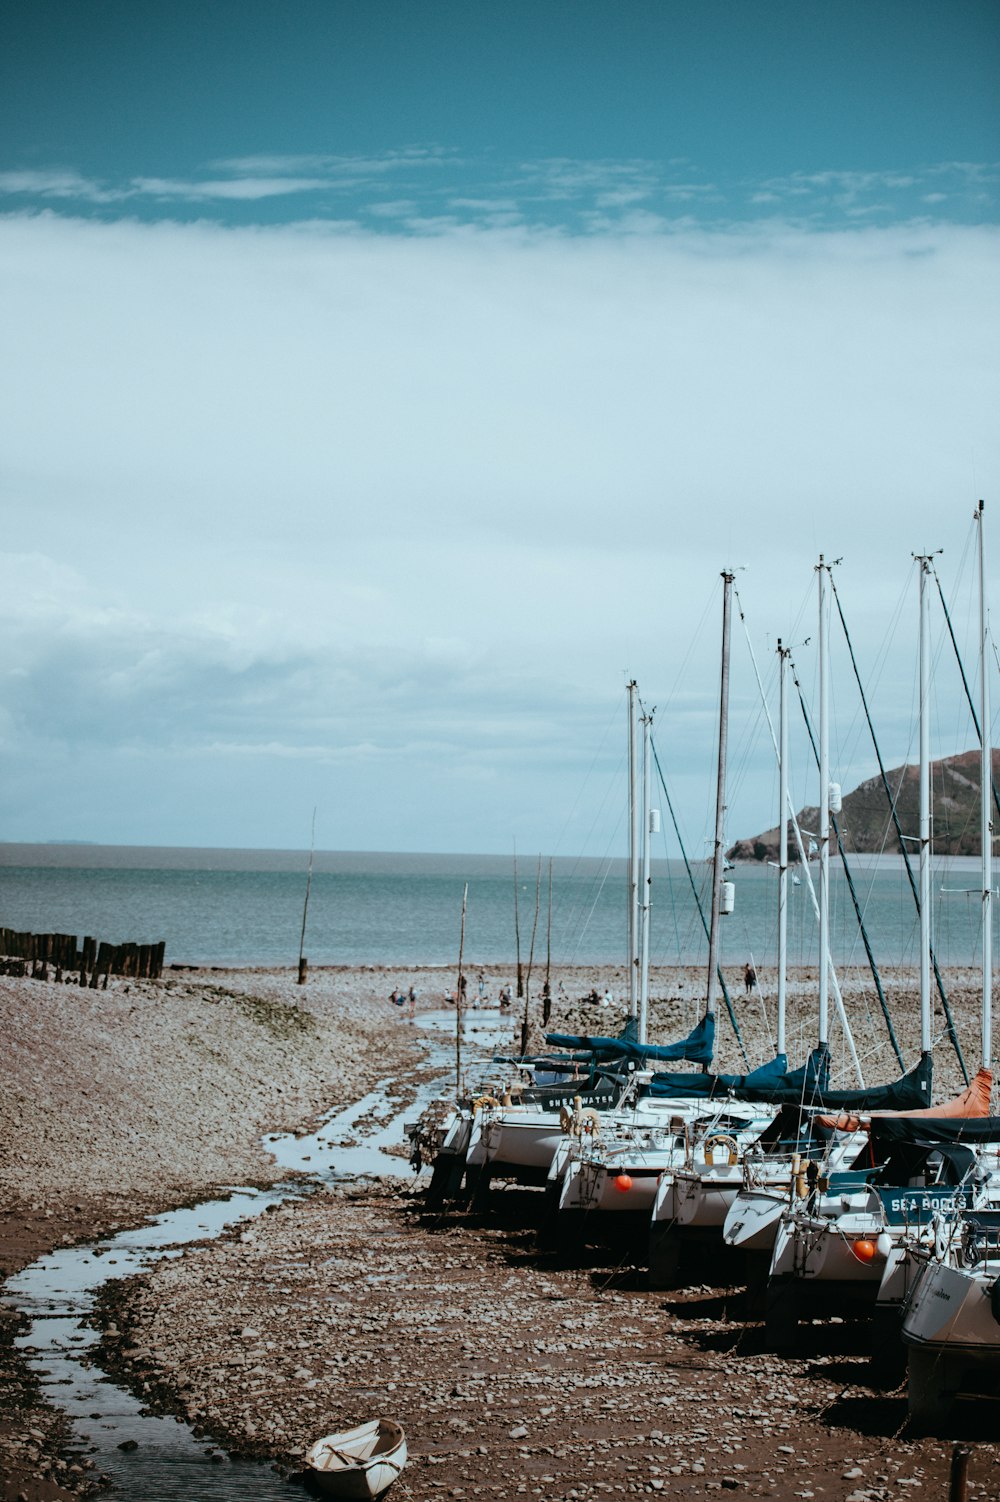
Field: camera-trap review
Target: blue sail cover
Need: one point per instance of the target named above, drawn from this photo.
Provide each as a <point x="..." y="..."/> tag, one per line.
<point x="696" y="1048"/>
<point x="771" y="1082"/>
<point x="807" y="1086"/>
<point x="911" y="1092"/>
<point x="889" y="1132"/>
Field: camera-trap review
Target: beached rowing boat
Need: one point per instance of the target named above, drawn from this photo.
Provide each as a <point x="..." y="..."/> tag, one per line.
<point x="362" y="1462"/>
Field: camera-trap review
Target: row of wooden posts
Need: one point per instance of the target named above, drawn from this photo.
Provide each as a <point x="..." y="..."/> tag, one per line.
<point x="36" y="954"/>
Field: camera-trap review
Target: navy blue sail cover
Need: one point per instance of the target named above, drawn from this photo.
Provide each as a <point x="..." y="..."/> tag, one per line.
<point x="911" y="1092"/>
<point x="696" y="1048"/>
<point x="773" y="1083"/>
<point x="889" y="1132"/>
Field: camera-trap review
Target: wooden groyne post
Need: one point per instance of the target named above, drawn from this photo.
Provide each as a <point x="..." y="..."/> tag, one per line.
<point x="33" y="954"/>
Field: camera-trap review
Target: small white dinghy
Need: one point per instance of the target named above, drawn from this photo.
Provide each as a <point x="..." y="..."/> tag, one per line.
<point x="362" y="1462"/>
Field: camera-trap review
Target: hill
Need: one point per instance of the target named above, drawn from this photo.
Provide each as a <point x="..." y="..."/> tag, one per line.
<point x="866" y="823"/>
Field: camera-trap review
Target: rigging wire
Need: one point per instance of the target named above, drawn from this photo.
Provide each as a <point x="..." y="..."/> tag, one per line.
<point x="850" y="884"/>
<point x="952" y="1034"/>
<point x="848" y="1035"/>
<point x="697" y="898"/>
<point x="965" y="681"/>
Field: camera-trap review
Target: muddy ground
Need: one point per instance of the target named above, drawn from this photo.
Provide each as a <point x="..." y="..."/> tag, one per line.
<point x="514" y="1373"/>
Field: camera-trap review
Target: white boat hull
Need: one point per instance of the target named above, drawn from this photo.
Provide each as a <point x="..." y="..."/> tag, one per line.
<point x="359" y="1463"/>
<point x="951" y="1307"/>
<point x="701" y="1200"/>
<point x="508" y="1142"/>
<point x="752" y="1219"/>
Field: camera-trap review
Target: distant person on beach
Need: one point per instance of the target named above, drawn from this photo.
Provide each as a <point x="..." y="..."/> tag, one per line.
<point x="412" y="999"/>
<point x="749" y="977"/>
<point x="609" y="997"/>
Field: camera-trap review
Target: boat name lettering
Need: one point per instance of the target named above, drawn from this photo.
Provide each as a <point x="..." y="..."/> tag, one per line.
<point x="912" y="1203"/>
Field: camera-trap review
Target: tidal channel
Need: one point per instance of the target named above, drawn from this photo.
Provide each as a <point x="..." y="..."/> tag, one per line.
<point x="151" y="1459"/>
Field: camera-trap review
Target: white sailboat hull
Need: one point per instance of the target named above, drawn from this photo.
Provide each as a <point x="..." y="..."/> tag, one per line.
<point x="701" y="1201"/>
<point x="751" y="1221"/>
<point x="951" y="1308"/>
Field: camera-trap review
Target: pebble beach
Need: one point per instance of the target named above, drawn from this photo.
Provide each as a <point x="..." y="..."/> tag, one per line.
<point x="513" y="1373"/>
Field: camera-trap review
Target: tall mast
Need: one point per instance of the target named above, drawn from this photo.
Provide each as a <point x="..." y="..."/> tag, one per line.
<point x="803" y="859"/>
<point x="986" y="797"/>
<point x="633" y="857"/>
<point x="925" y="815"/>
<point x="718" y="858"/>
<point x="783" y="655"/>
<point x="822" y="570"/>
<point x="647" y="830"/>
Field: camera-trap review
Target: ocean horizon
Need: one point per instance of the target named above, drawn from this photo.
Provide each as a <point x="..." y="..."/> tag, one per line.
<point x="244" y="907"/>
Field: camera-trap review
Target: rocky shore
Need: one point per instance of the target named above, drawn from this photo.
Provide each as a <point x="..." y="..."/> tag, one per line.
<point x="513" y="1373"/>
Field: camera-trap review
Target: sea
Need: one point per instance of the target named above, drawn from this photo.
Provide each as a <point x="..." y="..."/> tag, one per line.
<point x="246" y="907"/>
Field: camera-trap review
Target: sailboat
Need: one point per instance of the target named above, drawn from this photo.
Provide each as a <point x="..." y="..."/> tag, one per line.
<point x="619" y="1173"/>
<point x="831" y="1250"/>
<point x="516" y="1135"/>
<point x="694" y="1199"/>
<point x="951" y="1319"/>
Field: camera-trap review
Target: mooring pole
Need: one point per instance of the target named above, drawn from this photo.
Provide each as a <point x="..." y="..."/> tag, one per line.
<point x="959" y="1486"/>
<point x="303" y="962"/>
<point x="458" y="998"/>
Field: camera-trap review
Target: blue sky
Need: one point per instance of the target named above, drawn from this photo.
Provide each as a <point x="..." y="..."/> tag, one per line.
<point x="563" y="113"/>
<point x="384" y="382"/>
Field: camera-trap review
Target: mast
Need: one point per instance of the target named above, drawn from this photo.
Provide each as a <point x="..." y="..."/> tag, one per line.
<point x="803" y="860"/>
<point x="822" y="570"/>
<point x="547" y="988"/>
<point x="633" y="856"/>
<point x="718" y="857"/>
<point x="517" y="931"/>
<point x="647" y="830"/>
<point x="458" y="998"/>
<point x="783" y="654"/>
<point x="925" y="816"/>
<point x="985" y="800"/>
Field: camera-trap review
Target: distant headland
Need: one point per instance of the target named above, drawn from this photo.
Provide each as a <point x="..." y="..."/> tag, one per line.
<point x="865" y="822"/>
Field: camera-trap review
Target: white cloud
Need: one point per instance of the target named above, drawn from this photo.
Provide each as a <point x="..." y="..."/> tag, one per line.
<point x="488" y="192"/>
<point x="334" y="165"/>
<point x="336" y="500"/>
<point x="55" y="182"/>
<point x="242" y="188"/>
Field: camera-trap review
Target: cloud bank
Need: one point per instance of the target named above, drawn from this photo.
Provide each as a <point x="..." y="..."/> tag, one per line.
<point x="313" y="514"/>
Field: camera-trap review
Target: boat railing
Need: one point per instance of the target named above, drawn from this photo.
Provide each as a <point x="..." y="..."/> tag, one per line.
<point x="980" y="1237"/>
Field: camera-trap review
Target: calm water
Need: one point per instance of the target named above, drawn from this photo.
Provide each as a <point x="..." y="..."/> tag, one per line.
<point x="240" y="907"/>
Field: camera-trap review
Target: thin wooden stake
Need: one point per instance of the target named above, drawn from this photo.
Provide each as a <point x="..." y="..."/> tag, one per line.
<point x="547" y="988"/>
<point x="531" y="956"/>
<point x="458" y="998"/>
<point x="958" y="1489"/>
<point x="305" y="906"/>
<point x="517" y="931"/>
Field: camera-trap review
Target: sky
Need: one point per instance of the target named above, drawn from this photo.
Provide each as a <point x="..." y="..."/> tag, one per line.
<point x="384" y="385"/>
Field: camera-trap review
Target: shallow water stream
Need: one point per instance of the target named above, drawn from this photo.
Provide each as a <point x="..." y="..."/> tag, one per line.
<point x="162" y="1459"/>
